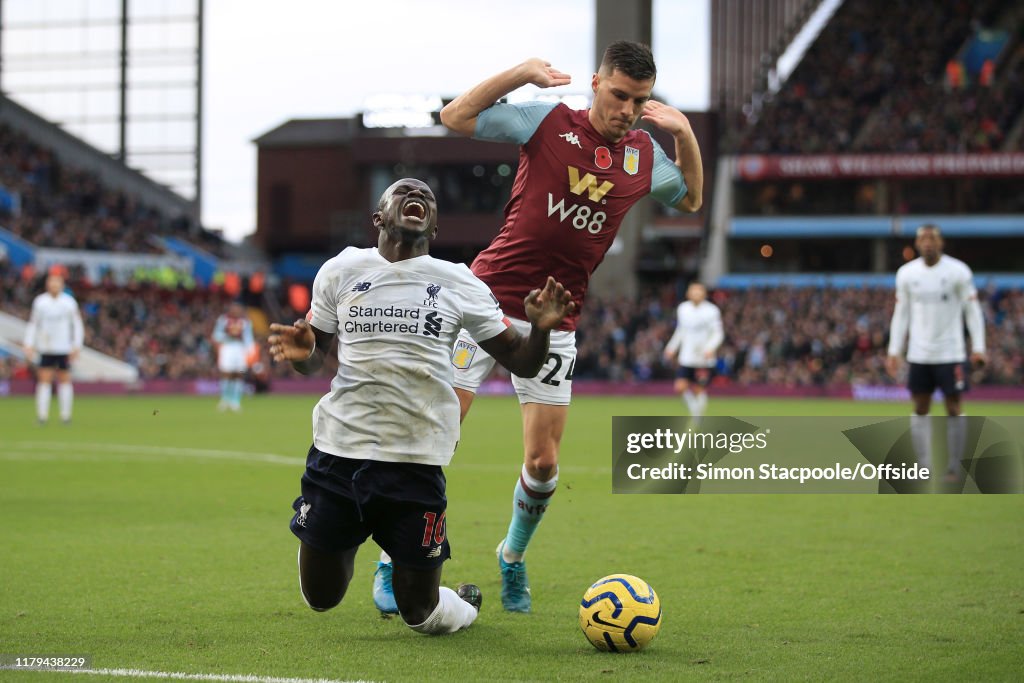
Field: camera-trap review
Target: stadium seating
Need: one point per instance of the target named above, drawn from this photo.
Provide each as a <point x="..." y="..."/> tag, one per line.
<point x="875" y="81"/>
<point x="809" y="336"/>
<point x="50" y="204"/>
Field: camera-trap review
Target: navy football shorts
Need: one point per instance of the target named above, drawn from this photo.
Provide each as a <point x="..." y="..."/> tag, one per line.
<point x="923" y="378"/>
<point x="54" y="360"/>
<point x="699" y="376"/>
<point x="402" y="505"/>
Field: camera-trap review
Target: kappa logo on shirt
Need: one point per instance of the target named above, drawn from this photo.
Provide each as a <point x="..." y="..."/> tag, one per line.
<point x="571" y="138"/>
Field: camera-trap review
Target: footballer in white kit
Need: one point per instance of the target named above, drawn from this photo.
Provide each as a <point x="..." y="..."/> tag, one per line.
<point x="56" y="332"/>
<point x="391" y="419"/>
<point x="935" y="297"/>
<point x="694" y="343"/>
<point x="395" y="321"/>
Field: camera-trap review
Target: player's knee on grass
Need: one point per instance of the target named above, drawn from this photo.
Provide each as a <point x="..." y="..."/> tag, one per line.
<point x="416" y="592"/>
<point x="324" y="577"/>
<point x="416" y="612"/>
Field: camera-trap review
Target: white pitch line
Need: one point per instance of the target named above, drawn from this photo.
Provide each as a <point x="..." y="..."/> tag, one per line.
<point x="208" y="453"/>
<point x="137" y="673"/>
<point x="56" y="450"/>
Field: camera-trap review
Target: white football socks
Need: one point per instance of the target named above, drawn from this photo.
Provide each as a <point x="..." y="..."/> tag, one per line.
<point x="956" y="438"/>
<point x="65" y="399"/>
<point x="451" y="614"/>
<point x="44" y="391"/>
<point x="921" y="437"/>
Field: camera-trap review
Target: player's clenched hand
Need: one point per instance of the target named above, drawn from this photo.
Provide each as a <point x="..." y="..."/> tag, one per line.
<point x="892" y="365"/>
<point x="978" y="360"/>
<point x="543" y="75"/>
<point x="668" y="118"/>
<point x="293" y="342"/>
<point x="547" y="308"/>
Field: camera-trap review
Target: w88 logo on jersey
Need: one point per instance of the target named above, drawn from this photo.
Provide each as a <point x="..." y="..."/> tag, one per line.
<point x="579" y="216"/>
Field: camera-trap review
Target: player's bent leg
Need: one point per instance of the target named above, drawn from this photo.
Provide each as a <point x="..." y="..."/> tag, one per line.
<point x="543" y="426"/>
<point x="427" y="607"/>
<point x="324" y="576"/>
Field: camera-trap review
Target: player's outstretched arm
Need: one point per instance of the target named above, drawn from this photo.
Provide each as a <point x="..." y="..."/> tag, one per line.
<point x="674" y="122"/>
<point x="460" y="114"/>
<point x="524" y="355"/>
<point x="300" y="343"/>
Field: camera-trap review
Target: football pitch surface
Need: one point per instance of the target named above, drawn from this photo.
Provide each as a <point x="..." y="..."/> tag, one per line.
<point x="152" y="535"/>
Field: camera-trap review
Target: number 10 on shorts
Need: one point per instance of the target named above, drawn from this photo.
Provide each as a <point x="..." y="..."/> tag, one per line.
<point x="434" y="529"/>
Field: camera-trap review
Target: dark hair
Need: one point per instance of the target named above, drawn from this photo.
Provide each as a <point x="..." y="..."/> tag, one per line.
<point x="931" y="227"/>
<point x="633" y="59"/>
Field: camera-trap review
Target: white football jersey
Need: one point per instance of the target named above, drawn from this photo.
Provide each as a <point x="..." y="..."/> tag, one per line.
<point x="55" y="326"/>
<point x="930" y="303"/>
<point x="392" y="398"/>
<point x="698" y="332"/>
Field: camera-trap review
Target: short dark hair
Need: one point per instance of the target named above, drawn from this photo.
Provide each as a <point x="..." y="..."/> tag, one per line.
<point x="633" y="59"/>
<point x="931" y="227"/>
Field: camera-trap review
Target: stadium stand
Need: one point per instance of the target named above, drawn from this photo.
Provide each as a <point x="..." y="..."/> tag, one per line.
<point x="51" y="204"/>
<point x="891" y="77"/>
<point x="805" y="336"/>
<point x="874" y="80"/>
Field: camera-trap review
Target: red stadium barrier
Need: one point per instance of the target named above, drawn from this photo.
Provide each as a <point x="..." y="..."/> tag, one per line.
<point x="207" y="387"/>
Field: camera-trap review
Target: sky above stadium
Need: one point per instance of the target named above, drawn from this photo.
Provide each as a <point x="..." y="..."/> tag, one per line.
<point x="266" y="64"/>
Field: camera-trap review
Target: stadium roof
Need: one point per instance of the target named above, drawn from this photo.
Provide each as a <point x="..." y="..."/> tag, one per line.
<point x="310" y="132"/>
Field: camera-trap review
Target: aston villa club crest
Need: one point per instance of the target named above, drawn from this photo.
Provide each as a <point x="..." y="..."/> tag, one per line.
<point x="631" y="160"/>
<point x="462" y="354"/>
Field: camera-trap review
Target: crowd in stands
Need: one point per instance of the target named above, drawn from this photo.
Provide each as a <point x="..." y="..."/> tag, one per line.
<point x="794" y="337"/>
<point x="875" y="80"/>
<point x="50" y="204"/>
<point x="783" y="336"/>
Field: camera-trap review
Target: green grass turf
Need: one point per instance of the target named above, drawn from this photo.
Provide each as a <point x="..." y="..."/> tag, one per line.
<point x="152" y="534"/>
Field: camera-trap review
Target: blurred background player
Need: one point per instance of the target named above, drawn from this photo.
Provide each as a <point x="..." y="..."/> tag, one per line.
<point x="391" y="419"/>
<point x="580" y="172"/>
<point x="233" y="335"/>
<point x="55" y="330"/>
<point x="696" y="339"/>
<point x="935" y="295"/>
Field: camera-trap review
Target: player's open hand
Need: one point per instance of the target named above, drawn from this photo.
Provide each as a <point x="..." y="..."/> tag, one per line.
<point x="666" y="117"/>
<point x="541" y="74"/>
<point x="293" y="342"/>
<point x="892" y="365"/>
<point x="547" y="308"/>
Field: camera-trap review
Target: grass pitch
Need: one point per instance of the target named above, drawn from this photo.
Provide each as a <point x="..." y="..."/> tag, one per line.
<point x="152" y="534"/>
